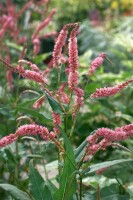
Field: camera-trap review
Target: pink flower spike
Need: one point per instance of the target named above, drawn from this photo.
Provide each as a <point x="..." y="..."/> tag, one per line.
<point x="73" y="80"/>
<point x="111" y="135"/>
<point x="92" y="139"/>
<point x="36" y="43"/>
<point x="79" y="92"/>
<point x="8" y="140"/>
<point x="43" y="24"/>
<point x="73" y="50"/>
<point x="109" y="91"/>
<point x="25" y="7"/>
<point x="35" y="76"/>
<point x="57" y="121"/>
<point x="127" y="128"/>
<point x="9" y="79"/>
<point x="60" y="42"/>
<point x="33" y="129"/>
<point x="96" y="63"/>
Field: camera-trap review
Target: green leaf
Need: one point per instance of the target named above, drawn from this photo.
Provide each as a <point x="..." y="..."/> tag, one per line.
<point x="14" y="45"/>
<point x="15" y="192"/>
<point x="68" y="178"/>
<point x="94" y="168"/>
<point x="80" y="148"/>
<point x="37" y="185"/>
<point x="40" y="58"/>
<point x="52" y="187"/>
<point x="113" y="192"/>
<point x="80" y="151"/>
<point x="63" y="77"/>
<point x="124" y="116"/>
<point x="10" y="156"/>
<point x="116" y="197"/>
<point x="54" y="104"/>
<point x="41" y="117"/>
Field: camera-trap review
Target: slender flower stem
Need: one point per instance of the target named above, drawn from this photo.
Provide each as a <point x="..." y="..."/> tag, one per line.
<point x="63" y="109"/>
<point x="17" y="167"/>
<point x="70" y="98"/>
<point x="82" y="159"/>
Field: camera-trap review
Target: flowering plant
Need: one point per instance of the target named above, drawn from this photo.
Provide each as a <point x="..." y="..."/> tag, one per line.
<point x="65" y="99"/>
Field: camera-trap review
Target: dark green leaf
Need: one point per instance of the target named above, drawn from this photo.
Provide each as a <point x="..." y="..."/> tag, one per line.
<point x="113" y="192"/>
<point x="94" y="168"/>
<point x="37" y="185"/>
<point x="15" y="192"/>
<point x="54" y="104"/>
<point x="10" y="156"/>
<point x="41" y="117"/>
<point x="68" y="178"/>
<point x="80" y="148"/>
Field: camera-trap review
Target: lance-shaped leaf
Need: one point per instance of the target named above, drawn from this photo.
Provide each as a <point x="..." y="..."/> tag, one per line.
<point x="94" y="168"/>
<point x="34" y="113"/>
<point x="67" y="180"/>
<point x="37" y="185"/>
<point x="54" y="104"/>
<point x="15" y="192"/>
<point x="80" y="150"/>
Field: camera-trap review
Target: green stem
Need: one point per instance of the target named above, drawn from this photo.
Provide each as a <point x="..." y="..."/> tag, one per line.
<point x="82" y="159"/>
<point x="45" y="171"/>
<point x="72" y="129"/>
<point x="77" y="196"/>
<point x="80" y="190"/>
<point x="65" y="123"/>
<point x="98" y="192"/>
<point x="70" y="98"/>
<point x="16" y="169"/>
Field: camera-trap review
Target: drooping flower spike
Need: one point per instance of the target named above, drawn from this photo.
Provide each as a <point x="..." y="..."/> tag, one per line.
<point x="29" y="74"/>
<point x="97" y="62"/>
<point x="43" y="24"/>
<point x="31" y="129"/>
<point x="104" y="137"/>
<point x="110" y="91"/>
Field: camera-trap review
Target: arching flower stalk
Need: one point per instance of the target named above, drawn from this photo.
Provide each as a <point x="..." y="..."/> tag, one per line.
<point x="104" y="137"/>
<point x="31" y="129"/>
<point x="29" y="74"/>
<point x="110" y="91"/>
